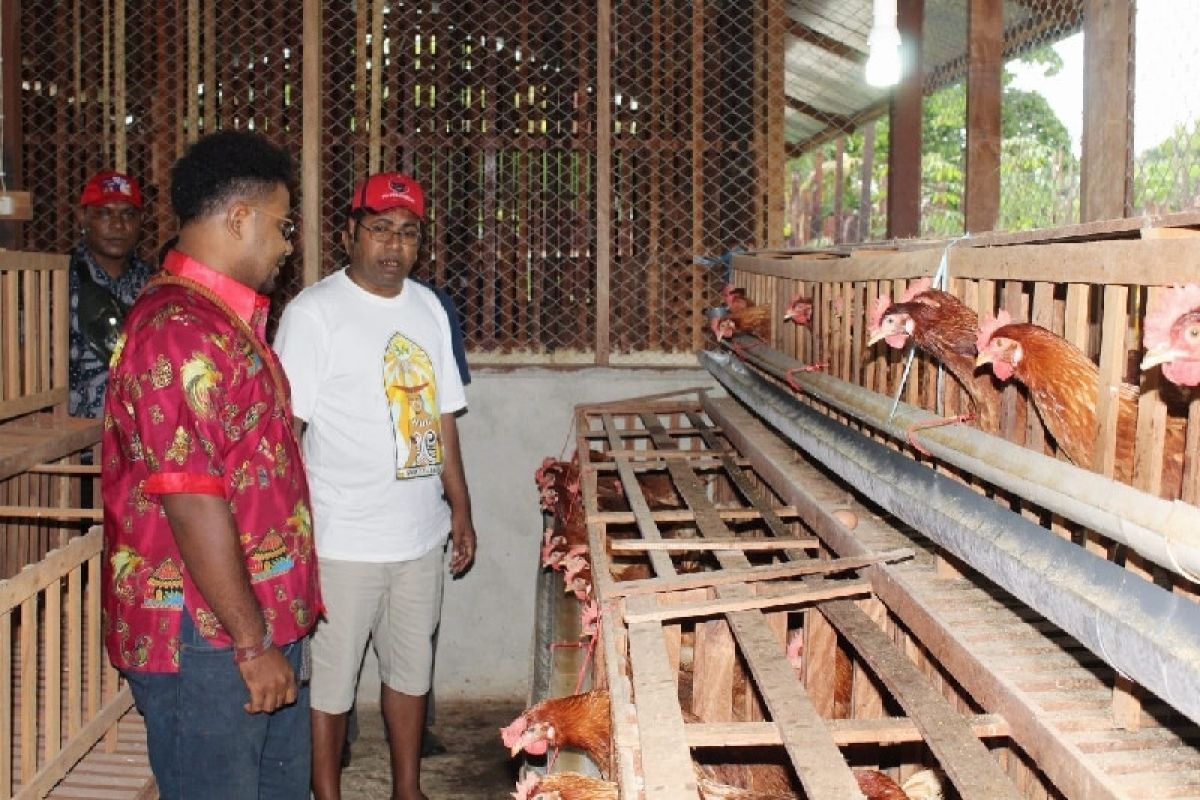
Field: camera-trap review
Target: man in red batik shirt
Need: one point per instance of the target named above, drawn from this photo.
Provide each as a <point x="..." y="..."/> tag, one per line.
<point x="210" y="582"/>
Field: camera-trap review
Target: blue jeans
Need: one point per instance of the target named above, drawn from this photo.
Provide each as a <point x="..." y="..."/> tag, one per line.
<point x="204" y="746"/>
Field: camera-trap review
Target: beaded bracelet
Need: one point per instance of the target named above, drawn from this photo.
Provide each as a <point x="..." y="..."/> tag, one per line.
<point x="243" y="654"/>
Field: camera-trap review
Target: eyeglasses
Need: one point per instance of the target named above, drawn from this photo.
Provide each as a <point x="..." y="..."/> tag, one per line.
<point x="382" y="233"/>
<point x="287" y="229"/>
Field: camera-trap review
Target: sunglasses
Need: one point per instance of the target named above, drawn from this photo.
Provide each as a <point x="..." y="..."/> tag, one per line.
<point x="287" y="229"/>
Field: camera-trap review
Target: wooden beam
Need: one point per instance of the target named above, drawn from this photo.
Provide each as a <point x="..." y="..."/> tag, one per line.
<point x="604" y="165"/>
<point x="310" y="141"/>
<point x="830" y="45"/>
<point x="1106" y="164"/>
<point x="834" y="120"/>
<point x="747" y="575"/>
<point x="731" y="543"/>
<point x="845" y="732"/>
<point x="904" y="155"/>
<point x="985" y="45"/>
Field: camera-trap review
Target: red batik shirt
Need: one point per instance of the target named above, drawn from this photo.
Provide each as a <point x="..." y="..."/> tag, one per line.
<point x="191" y="407"/>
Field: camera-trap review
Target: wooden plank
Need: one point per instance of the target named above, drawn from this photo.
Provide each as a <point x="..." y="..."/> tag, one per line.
<point x="29" y="441"/>
<point x="763" y="572"/>
<point x="667" y="770"/>
<point x="845" y="732"/>
<point x="1112" y="366"/>
<point x="6" y="706"/>
<point x="726" y="605"/>
<point x="974" y="772"/>
<point x="44" y="512"/>
<point x="1160" y="262"/>
<point x="729" y="543"/>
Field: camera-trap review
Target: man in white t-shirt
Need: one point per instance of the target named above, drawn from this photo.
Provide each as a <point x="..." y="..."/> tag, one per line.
<point x="374" y="381"/>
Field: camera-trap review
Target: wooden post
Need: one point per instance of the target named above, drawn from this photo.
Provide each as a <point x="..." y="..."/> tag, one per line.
<point x="776" y="146"/>
<point x="904" y="155"/>
<point x="1106" y="168"/>
<point x="10" y="156"/>
<point x="210" y="66"/>
<point x="310" y="141"/>
<point x="985" y="56"/>
<point x="864" y="196"/>
<point x="603" y="175"/>
<point x="120" y="145"/>
<point x="375" y="124"/>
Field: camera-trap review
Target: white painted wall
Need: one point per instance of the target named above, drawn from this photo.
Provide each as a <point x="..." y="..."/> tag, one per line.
<point x="516" y="417"/>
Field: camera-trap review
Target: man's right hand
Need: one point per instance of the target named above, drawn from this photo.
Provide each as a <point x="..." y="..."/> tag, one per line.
<point x="271" y="682"/>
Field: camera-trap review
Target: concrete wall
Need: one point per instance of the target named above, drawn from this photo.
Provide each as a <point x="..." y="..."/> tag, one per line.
<point x="515" y="419"/>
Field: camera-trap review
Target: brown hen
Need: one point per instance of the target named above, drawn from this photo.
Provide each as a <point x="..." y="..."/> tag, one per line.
<point x="1064" y="385"/>
<point x="946" y="328"/>
<point x="579" y="721"/>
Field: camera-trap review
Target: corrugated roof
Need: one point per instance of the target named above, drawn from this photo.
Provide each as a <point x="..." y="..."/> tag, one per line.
<point x="827" y="49"/>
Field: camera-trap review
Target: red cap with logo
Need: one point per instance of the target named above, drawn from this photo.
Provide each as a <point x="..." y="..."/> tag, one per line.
<point x="384" y="191"/>
<point x="111" y="187"/>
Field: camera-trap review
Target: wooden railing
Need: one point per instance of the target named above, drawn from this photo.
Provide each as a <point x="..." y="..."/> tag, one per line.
<point x="34" y="346"/>
<point x="58" y="694"/>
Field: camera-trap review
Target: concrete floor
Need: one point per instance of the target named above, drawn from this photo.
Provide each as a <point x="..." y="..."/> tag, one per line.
<point x="476" y="766"/>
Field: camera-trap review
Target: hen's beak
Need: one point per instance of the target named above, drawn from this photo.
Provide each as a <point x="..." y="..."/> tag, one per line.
<point x="981" y="359"/>
<point x="1160" y="354"/>
<point x="876" y="335"/>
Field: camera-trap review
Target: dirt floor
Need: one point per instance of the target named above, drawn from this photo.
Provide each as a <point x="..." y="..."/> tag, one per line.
<point x="475" y="767"/>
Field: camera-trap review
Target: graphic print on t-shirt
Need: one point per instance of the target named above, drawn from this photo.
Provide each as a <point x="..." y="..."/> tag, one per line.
<point x="411" y="391"/>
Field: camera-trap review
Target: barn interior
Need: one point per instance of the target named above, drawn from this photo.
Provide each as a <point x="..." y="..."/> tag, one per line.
<point x="761" y="488"/>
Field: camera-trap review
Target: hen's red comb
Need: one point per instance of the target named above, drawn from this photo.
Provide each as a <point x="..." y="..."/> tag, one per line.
<point x="512" y="734"/>
<point x="1168" y="307"/>
<point x="988" y="326"/>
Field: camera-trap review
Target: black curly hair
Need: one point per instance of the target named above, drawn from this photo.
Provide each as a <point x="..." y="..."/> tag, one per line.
<point x="224" y="166"/>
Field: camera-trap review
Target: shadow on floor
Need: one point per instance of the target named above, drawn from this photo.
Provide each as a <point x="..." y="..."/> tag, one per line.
<point x="475" y="767"/>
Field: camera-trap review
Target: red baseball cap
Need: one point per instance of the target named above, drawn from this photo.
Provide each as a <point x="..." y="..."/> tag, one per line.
<point x="385" y="191"/>
<point x="111" y="187"/>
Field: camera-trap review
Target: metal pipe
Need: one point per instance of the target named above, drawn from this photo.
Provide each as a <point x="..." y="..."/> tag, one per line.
<point x="1142" y="630"/>
<point x="1164" y="532"/>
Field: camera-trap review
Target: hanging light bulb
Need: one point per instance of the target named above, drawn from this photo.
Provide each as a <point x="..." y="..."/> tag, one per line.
<point x="883" y="59"/>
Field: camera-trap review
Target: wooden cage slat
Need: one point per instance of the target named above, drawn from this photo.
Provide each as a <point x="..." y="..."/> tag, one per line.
<point x="27" y="730"/>
<point x="53" y="663"/>
<point x="666" y="761"/>
<point x="970" y="766"/>
<point x="845" y="732"/>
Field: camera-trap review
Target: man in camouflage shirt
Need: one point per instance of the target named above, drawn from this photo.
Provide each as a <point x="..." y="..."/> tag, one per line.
<point x="105" y="278"/>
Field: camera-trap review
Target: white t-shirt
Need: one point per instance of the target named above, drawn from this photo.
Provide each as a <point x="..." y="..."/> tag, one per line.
<point x="372" y="376"/>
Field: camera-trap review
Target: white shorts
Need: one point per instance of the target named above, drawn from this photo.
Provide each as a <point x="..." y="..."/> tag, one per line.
<point x="397" y="604"/>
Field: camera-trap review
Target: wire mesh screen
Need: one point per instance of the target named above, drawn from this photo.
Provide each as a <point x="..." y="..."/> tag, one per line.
<point x="1166" y="108"/>
<point x="126" y="84"/>
<point x="491" y="106"/>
